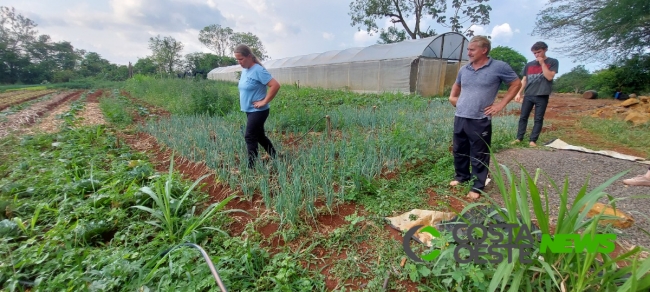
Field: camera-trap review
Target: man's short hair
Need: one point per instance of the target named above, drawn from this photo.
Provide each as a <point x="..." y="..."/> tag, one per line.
<point x="483" y="41"/>
<point x="539" y="46"/>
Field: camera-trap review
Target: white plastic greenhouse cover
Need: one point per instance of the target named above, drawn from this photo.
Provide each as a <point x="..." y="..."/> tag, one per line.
<point x="425" y="66"/>
<point x="449" y="46"/>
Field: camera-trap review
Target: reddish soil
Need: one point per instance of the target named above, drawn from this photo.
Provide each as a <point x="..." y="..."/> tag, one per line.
<point x="94" y="97"/>
<point x="563" y="113"/>
<point x="447" y="203"/>
<point x="23" y="100"/>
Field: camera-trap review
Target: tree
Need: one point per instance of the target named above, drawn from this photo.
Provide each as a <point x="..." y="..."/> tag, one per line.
<point x="93" y="64"/>
<point x="366" y="13"/>
<point x="202" y="63"/>
<point x="507" y="54"/>
<point x="16" y="31"/>
<point x="630" y="76"/>
<point x="391" y="35"/>
<point x="574" y="81"/>
<point x="216" y="38"/>
<point x="597" y="29"/>
<point x="144" y="66"/>
<point x="252" y="41"/>
<point x="166" y="53"/>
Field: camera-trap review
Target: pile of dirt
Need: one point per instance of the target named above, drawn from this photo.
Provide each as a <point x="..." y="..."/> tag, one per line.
<point x="633" y="110"/>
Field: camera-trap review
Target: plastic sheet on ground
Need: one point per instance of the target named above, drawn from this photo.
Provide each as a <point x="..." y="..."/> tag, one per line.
<point x="559" y="144"/>
<point x="443" y="221"/>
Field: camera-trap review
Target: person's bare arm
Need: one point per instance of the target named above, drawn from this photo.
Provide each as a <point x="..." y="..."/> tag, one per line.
<point x="513" y="88"/>
<point x="548" y="74"/>
<point x="274" y="87"/>
<point x="519" y="96"/>
<point x="455" y="93"/>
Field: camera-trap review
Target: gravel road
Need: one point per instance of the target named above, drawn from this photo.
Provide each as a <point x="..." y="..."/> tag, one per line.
<point x="578" y="167"/>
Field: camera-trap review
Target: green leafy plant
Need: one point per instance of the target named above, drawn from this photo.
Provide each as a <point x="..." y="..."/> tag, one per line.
<point x="169" y="212"/>
<point x="559" y="271"/>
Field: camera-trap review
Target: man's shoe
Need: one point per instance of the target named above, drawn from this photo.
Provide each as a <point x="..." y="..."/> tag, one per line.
<point x="640" y="180"/>
<point x="532" y="144"/>
<point x="515" y="142"/>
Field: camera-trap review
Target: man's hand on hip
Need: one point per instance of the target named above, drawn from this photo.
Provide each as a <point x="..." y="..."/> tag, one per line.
<point x="493" y="109"/>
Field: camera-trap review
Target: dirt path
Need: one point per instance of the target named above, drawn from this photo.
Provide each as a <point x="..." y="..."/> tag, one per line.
<point x="561" y="121"/>
<point x="92" y="115"/>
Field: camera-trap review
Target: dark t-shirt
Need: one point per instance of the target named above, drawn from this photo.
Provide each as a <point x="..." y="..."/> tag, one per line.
<point x="536" y="83"/>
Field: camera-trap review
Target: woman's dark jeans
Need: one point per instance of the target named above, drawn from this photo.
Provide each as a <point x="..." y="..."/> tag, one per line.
<point x="255" y="135"/>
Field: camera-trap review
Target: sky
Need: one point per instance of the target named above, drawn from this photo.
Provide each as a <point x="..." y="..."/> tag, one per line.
<point x="119" y="30"/>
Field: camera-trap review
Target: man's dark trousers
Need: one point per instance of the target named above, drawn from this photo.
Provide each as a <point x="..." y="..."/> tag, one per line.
<point x="540" y="102"/>
<point x="472" y="138"/>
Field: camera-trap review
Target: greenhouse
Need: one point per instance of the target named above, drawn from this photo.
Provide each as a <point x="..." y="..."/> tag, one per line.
<point x="424" y="66"/>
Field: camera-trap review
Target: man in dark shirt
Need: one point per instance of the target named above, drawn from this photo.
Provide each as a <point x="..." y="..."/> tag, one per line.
<point x="537" y="85"/>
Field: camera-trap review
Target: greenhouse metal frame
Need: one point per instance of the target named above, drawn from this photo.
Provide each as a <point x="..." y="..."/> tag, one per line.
<point x="424" y="66"/>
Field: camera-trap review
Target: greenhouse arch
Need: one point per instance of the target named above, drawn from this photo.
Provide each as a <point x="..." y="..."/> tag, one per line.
<point x="424" y="66"/>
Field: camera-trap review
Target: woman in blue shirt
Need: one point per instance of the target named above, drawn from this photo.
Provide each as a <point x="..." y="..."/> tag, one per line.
<point x="254" y="99"/>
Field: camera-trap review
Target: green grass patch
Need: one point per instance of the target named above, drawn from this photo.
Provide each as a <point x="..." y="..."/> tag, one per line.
<point x="116" y="109"/>
<point x="621" y="132"/>
<point x="185" y="96"/>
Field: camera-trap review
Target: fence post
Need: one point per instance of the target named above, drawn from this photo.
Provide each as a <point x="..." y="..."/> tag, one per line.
<point x="329" y="127"/>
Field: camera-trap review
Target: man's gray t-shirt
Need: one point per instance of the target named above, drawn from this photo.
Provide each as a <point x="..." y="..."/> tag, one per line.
<point x="479" y="88"/>
<point x="536" y="83"/>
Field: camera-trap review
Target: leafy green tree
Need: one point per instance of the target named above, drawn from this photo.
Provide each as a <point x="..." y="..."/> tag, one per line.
<point x="391" y="35"/>
<point x="367" y="13"/>
<point x="202" y="63"/>
<point x="575" y="81"/>
<point x="630" y="76"/>
<point x="507" y="54"/>
<point x="252" y="41"/>
<point x="597" y="29"/>
<point x="166" y="53"/>
<point x="16" y="31"/>
<point x="217" y="39"/>
<point x="93" y="64"/>
<point x="145" y="66"/>
<point x="604" y="82"/>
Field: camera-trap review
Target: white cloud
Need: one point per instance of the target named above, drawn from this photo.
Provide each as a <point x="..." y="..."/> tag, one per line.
<point x="503" y="32"/>
<point x="258" y="5"/>
<point x="328" y="36"/>
<point x="363" y="38"/>
<point x="279" y="27"/>
<point x="478" y="30"/>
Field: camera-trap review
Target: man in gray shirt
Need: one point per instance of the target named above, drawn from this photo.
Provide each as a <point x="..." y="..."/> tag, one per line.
<point x="473" y="94"/>
<point x="537" y="86"/>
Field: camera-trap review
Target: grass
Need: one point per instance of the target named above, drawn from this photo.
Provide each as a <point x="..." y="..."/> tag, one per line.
<point x="620" y="132"/>
<point x="116" y="109"/>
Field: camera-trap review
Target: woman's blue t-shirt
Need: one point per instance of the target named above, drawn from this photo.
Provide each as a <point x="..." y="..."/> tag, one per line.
<point x="252" y="87"/>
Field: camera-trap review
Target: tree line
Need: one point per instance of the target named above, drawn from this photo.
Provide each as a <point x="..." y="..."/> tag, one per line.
<point x="27" y="57"/>
<point x="607" y="31"/>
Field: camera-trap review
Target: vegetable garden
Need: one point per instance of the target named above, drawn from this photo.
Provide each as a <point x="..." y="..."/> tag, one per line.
<point x="97" y="208"/>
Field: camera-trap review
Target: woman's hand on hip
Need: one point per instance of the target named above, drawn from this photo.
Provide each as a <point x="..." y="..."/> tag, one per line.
<point x="260" y="103"/>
